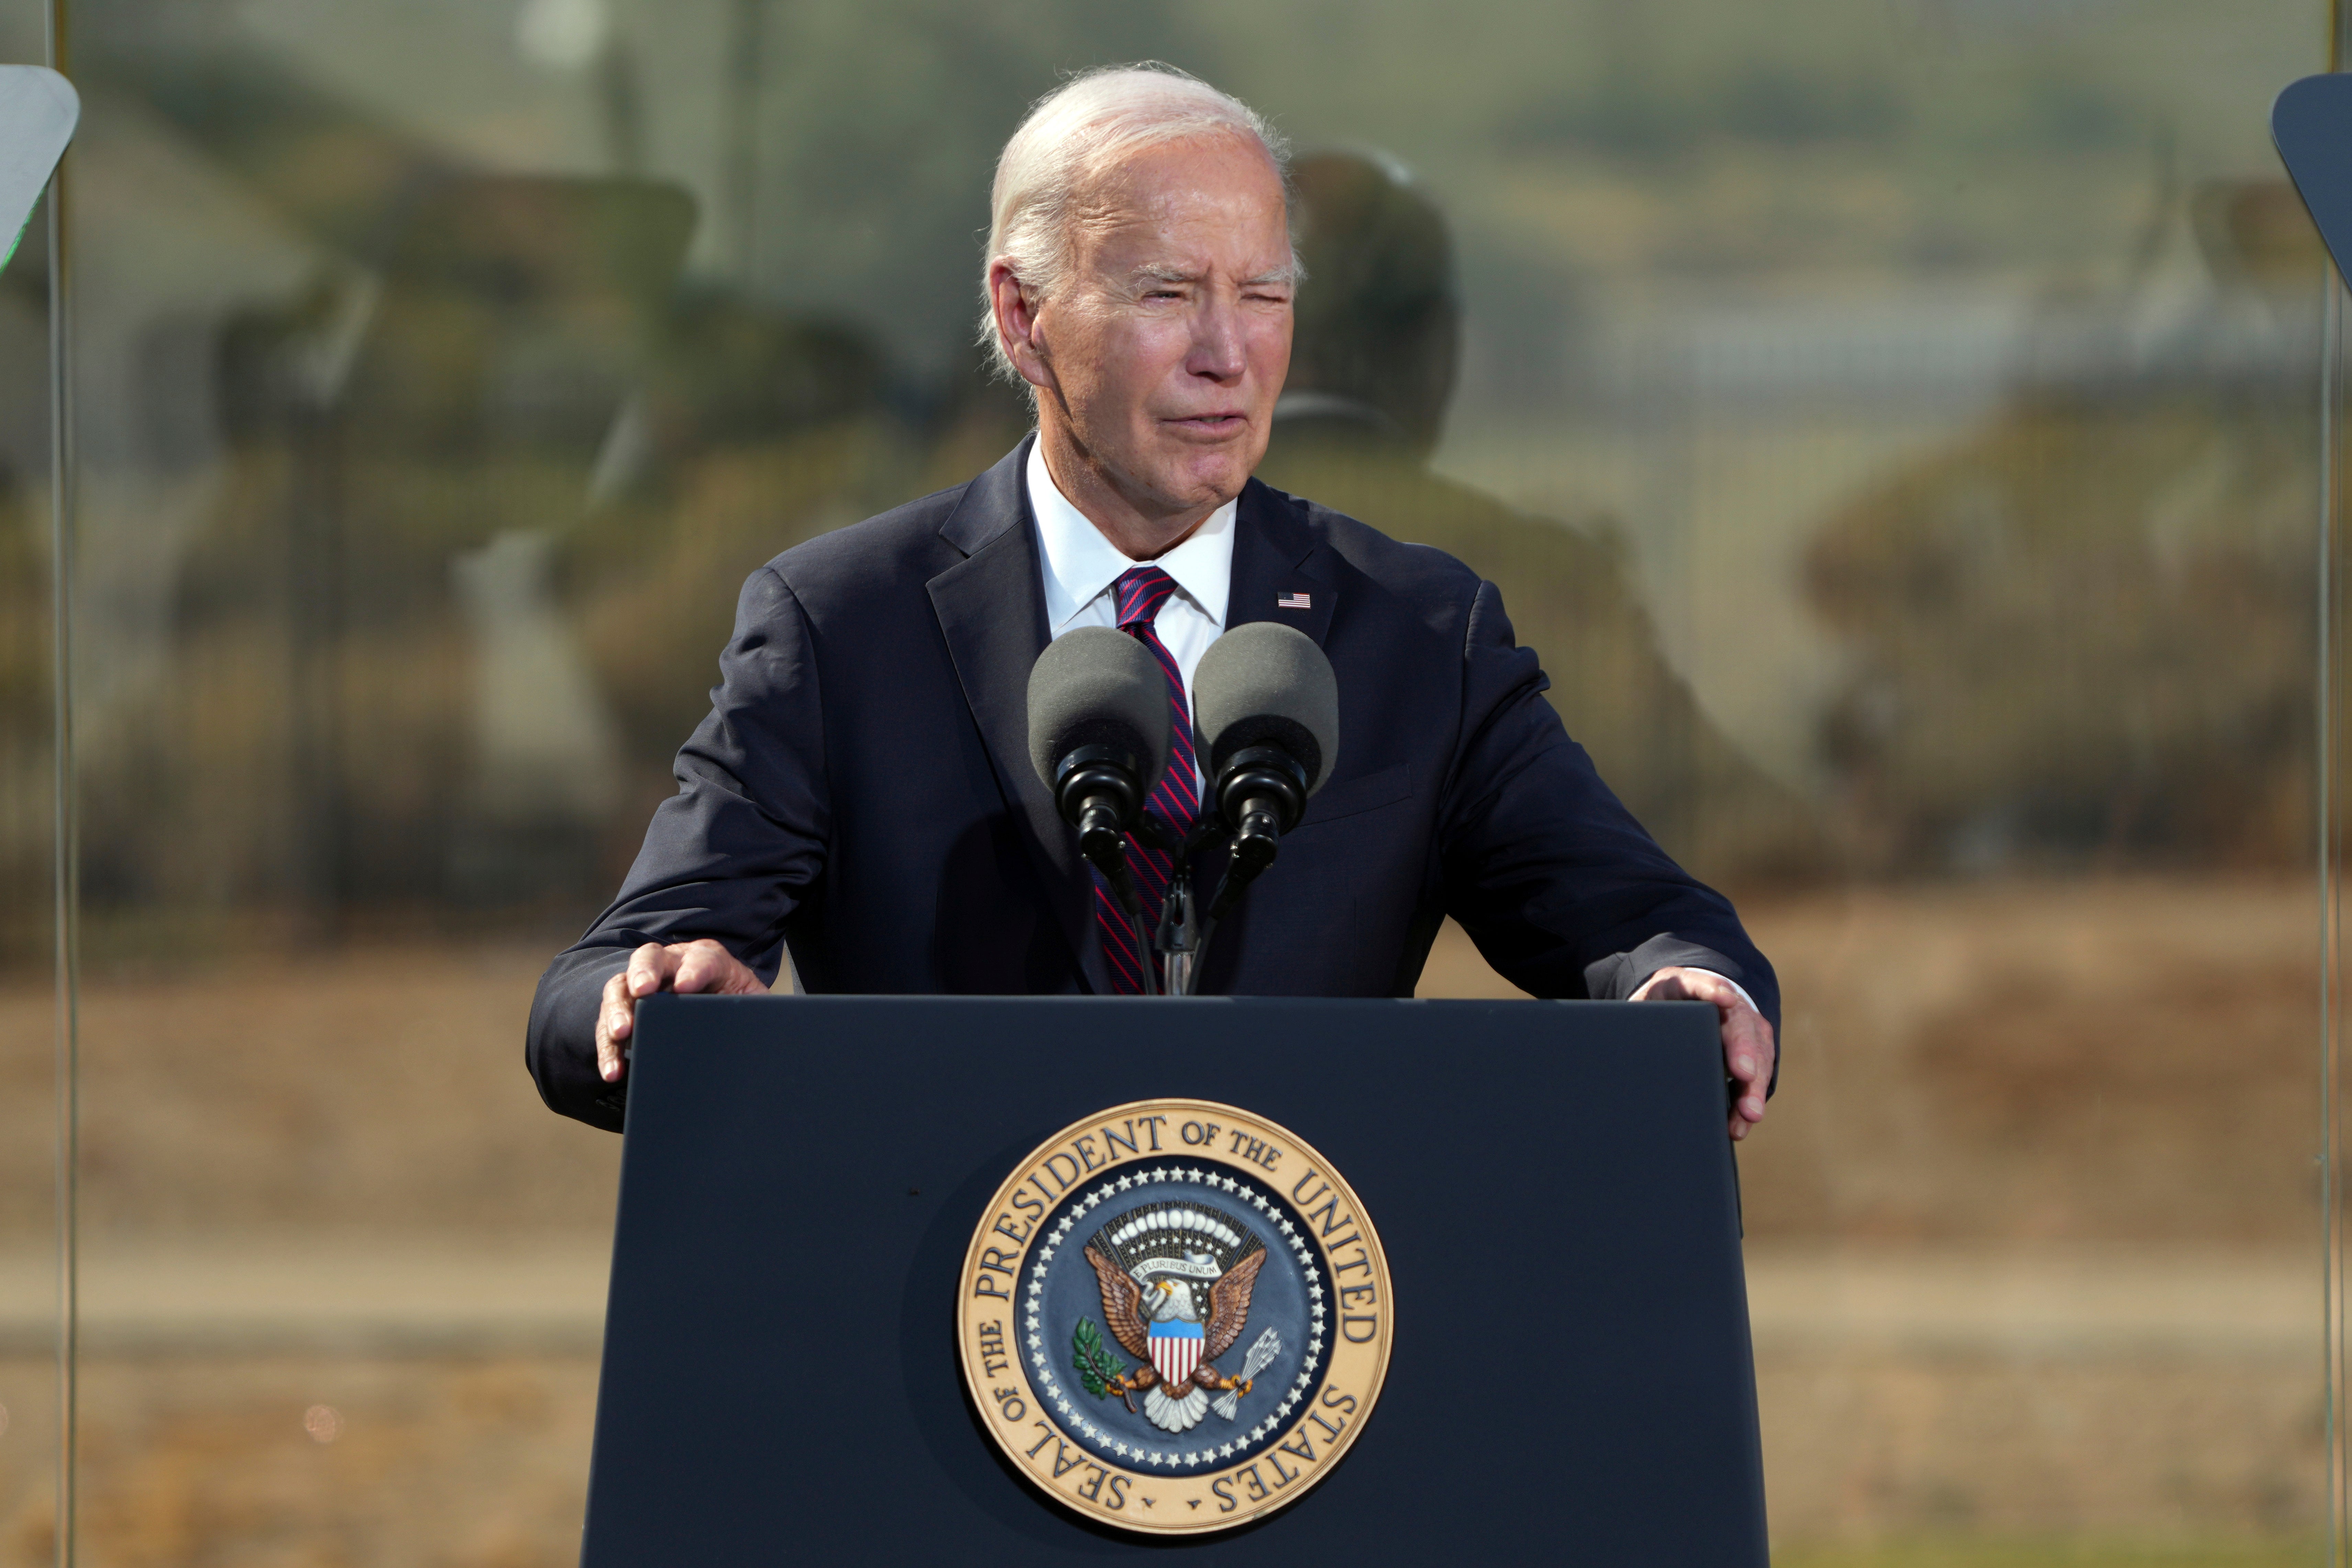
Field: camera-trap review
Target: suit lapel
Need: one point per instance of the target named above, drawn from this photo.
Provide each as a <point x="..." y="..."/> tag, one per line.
<point x="991" y="610"/>
<point x="1277" y="557"/>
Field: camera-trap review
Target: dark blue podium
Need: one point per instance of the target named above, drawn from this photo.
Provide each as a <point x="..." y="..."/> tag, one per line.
<point x="1570" y="1381"/>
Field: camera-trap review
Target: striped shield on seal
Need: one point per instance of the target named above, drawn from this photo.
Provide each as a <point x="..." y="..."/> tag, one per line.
<point x="1175" y="1350"/>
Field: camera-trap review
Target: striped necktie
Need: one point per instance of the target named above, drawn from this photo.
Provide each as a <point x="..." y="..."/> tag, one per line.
<point x="1175" y="799"/>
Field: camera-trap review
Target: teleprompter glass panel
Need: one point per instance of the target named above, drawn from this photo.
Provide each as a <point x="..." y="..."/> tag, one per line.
<point x="1893" y="423"/>
<point x="30" y="991"/>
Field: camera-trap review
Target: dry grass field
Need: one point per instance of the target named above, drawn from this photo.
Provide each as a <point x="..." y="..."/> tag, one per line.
<point x="2032" y="1256"/>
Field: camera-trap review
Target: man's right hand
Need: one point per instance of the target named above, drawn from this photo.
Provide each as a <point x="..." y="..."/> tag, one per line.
<point x="687" y="968"/>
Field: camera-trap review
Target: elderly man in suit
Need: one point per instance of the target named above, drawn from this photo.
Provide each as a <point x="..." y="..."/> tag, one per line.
<point x="860" y="794"/>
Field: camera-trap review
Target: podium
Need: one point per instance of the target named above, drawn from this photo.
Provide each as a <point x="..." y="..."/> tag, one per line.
<point x="1570" y="1378"/>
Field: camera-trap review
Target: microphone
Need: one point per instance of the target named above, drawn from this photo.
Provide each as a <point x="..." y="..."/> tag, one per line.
<point x="1265" y="701"/>
<point x="1099" y="737"/>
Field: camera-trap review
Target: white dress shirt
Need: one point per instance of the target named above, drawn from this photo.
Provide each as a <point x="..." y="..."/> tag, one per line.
<point x="1079" y="566"/>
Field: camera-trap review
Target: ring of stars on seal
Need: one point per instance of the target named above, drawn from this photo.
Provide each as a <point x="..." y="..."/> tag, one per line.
<point x="1174" y="1317"/>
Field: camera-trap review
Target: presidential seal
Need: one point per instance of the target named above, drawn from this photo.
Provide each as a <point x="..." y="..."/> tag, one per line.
<point x="1174" y="1317"/>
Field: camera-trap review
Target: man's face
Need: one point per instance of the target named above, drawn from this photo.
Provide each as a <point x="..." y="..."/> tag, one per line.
<point x="1165" y="346"/>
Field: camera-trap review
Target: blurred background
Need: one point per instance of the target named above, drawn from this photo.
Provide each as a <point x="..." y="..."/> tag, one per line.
<point x="1896" y="422"/>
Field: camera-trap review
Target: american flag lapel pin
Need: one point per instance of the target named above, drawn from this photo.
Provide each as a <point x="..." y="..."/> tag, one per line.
<point x="1294" y="602"/>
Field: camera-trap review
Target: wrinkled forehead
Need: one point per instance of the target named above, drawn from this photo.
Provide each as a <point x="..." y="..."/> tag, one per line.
<point x="1216" y="189"/>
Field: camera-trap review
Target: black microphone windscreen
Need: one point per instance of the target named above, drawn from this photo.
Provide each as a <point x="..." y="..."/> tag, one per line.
<point x="1268" y="684"/>
<point x="1095" y="687"/>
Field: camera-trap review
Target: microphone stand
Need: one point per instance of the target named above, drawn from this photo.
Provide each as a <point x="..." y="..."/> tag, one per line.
<point x="1261" y="789"/>
<point x="1182" y="938"/>
<point x="1178" y="939"/>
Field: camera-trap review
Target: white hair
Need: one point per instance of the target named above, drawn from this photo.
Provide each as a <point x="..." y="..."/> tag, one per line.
<point x="1085" y="127"/>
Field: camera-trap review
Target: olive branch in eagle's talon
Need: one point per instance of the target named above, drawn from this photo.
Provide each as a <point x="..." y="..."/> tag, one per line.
<point x="1100" y="1371"/>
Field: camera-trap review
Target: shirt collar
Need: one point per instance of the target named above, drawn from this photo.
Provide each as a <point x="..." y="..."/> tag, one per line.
<point x="1080" y="564"/>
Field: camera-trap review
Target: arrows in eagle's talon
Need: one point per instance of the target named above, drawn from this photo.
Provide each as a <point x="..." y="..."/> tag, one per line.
<point x="1268" y="1346"/>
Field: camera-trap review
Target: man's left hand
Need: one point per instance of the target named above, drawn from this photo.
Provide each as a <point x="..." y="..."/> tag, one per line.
<point x="1748" y="1048"/>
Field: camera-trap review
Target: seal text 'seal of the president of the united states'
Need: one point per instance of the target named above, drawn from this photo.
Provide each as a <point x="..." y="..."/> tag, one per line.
<point x="1174" y="1317"/>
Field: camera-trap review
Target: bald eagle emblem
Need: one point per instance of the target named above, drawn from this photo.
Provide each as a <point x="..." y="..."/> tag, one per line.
<point x="1176" y="1280"/>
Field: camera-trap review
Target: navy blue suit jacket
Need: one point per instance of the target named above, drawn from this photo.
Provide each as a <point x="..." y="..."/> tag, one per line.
<point x="862" y="791"/>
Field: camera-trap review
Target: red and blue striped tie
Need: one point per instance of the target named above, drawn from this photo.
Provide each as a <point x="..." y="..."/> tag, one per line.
<point x="1175" y="799"/>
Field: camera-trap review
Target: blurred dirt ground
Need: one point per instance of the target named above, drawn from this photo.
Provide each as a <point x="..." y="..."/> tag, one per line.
<point x="213" y="1463"/>
<point x="2031" y="1235"/>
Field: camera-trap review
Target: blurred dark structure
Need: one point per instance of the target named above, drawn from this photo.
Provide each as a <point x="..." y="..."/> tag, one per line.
<point x="493" y="444"/>
<point x="453" y="387"/>
<point x="754" y="429"/>
<point x="489" y="480"/>
<point x="1373" y="371"/>
<point x="2087" y="634"/>
<point x="1378" y="335"/>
